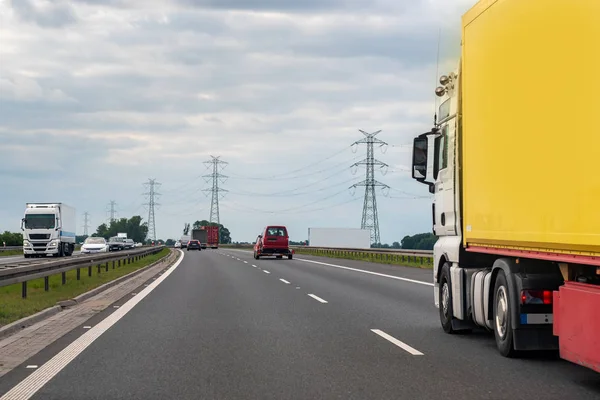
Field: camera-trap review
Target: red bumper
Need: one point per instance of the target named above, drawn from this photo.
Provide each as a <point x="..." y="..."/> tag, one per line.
<point x="577" y="323"/>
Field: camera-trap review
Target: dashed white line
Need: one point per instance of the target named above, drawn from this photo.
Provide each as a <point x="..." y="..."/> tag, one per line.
<point x="265" y="271"/>
<point x="367" y="272"/>
<point x="245" y="262"/>
<point x="317" y="298"/>
<point x="87" y="327"/>
<point x="31" y="366"/>
<point x="34" y="382"/>
<point x="397" y="342"/>
<point x="254" y="266"/>
<point x="284" y="281"/>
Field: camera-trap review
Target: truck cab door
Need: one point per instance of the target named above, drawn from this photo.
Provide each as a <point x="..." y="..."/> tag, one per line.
<point x="444" y="209"/>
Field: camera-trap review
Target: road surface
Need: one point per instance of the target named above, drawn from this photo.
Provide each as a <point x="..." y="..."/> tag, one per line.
<point x="4" y="260"/>
<point x="225" y="326"/>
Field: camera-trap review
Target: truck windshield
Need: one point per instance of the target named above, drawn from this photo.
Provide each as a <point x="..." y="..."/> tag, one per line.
<point x="40" y="221"/>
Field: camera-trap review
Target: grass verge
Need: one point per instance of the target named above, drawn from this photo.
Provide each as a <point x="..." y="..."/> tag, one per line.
<point x="13" y="307"/>
<point x="7" y="253"/>
<point x="392" y="259"/>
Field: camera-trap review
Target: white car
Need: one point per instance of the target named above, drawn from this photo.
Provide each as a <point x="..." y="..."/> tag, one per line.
<point x="178" y="244"/>
<point x="94" y="245"/>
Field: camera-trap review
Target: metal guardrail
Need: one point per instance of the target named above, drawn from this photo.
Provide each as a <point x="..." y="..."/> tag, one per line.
<point x="387" y="255"/>
<point x="7" y="248"/>
<point x="25" y="272"/>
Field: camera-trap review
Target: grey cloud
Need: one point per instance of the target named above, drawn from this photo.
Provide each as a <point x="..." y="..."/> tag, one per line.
<point x="49" y="15"/>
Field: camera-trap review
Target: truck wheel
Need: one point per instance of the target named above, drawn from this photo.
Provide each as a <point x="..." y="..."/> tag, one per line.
<point x="502" y="317"/>
<point x="289" y="256"/>
<point x="445" y="295"/>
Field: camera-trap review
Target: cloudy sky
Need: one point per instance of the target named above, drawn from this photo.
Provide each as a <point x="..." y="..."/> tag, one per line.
<point x="98" y="96"/>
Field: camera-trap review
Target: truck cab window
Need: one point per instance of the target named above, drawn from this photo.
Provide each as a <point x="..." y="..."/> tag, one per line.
<point x="441" y="152"/>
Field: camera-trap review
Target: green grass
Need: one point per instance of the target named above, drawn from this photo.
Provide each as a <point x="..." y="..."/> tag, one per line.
<point x="7" y="253"/>
<point x="13" y="307"/>
<point x="391" y="258"/>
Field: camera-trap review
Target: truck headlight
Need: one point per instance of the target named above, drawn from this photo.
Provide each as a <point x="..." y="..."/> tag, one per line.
<point x="53" y="243"/>
<point x="26" y="243"/>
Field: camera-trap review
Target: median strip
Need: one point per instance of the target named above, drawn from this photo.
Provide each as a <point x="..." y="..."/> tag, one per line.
<point x="13" y="307"/>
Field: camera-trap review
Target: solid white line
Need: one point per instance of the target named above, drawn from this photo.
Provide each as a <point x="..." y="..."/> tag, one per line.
<point x="284" y="281"/>
<point x="367" y="272"/>
<point x="265" y="271"/>
<point x="398" y="343"/>
<point x="318" y="298"/>
<point x="34" y="382"/>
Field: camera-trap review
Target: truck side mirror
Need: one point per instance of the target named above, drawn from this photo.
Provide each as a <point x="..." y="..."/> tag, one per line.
<point x="419" y="167"/>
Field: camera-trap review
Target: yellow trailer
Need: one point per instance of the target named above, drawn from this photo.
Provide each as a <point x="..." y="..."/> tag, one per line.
<point x="531" y="107"/>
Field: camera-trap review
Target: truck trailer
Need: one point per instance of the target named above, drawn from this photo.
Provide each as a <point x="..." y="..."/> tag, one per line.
<point x="352" y="238"/>
<point x="213" y="236"/>
<point x="200" y="235"/>
<point x="511" y="161"/>
<point x="48" y="229"/>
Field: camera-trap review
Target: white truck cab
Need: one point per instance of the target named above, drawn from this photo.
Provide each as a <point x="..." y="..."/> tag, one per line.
<point x="48" y="229"/>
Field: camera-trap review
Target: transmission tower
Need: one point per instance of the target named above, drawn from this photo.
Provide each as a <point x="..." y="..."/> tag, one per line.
<point x="370" y="218"/>
<point x="152" y="195"/>
<point x="112" y="211"/>
<point x="86" y="224"/>
<point x="215" y="190"/>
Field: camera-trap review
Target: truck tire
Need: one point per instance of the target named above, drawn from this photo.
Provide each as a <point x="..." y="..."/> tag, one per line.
<point x="289" y="256"/>
<point x="502" y="316"/>
<point x="445" y="295"/>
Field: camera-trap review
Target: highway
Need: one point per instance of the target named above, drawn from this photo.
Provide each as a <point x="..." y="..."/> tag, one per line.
<point x="222" y="325"/>
<point x="5" y="260"/>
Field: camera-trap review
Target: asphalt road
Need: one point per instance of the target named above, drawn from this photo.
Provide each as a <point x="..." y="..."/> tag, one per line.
<point x="225" y="326"/>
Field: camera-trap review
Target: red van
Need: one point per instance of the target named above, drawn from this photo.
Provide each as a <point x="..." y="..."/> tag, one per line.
<point x="274" y="241"/>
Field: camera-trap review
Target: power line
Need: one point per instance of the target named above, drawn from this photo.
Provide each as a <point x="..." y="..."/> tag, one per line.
<point x="86" y="224"/>
<point x="152" y="195"/>
<point x="215" y="162"/>
<point x="279" y="176"/>
<point x="370" y="218"/>
<point x="288" y="178"/>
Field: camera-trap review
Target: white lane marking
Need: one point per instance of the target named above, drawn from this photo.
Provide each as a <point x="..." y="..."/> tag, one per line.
<point x="265" y="271"/>
<point x="367" y="272"/>
<point x="297" y="287"/>
<point x="115" y="306"/>
<point x="397" y="342"/>
<point x="87" y="327"/>
<point x="284" y="281"/>
<point x="245" y="262"/>
<point x="318" y="298"/>
<point x="34" y="382"/>
<point x="254" y="266"/>
<point x="31" y="366"/>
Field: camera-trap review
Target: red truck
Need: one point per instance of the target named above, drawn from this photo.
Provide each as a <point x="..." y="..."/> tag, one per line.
<point x="274" y="241"/>
<point x="212" y="233"/>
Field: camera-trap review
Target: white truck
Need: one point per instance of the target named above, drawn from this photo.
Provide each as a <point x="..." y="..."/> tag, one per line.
<point x="350" y="238"/>
<point x="48" y="228"/>
<point x="511" y="161"/>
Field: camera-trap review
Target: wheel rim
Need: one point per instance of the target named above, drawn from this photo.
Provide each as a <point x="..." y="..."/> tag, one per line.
<point x="501" y="311"/>
<point x="445" y="298"/>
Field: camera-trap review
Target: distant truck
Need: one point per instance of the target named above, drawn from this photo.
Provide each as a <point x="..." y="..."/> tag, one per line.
<point x="349" y="238"/>
<point x="213" y="236"/>
<point x="184" y="241"/>
<point x="510" y="161"/>
<point x="48" y="229"/>
<point x="200" y="235"/>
